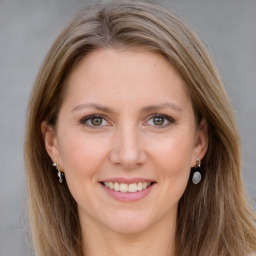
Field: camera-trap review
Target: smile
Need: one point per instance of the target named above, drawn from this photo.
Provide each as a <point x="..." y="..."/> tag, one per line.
<point x="123" y="187"/>
<point x="127" y="190"/>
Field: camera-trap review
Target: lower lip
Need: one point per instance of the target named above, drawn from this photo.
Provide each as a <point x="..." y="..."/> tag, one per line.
<point x="128" y="196"/>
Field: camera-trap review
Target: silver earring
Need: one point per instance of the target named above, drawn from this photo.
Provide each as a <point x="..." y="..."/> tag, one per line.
<point x="60" y="173"/>
<point x="197" y="175"/>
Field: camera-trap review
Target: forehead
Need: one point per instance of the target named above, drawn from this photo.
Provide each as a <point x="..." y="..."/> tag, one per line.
<point x="118" y="76"/>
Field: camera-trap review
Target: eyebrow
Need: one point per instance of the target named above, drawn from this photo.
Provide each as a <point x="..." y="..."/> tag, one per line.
<point x="94" y="106"/>
<point x="150" y="108"/>
<point x="170" y="105"/>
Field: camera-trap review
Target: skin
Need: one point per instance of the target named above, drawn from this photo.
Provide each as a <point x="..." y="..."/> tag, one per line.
<point x="128" y="143"/>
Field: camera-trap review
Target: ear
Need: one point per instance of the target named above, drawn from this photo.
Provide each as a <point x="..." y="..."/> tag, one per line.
<point x="51" y="142"/>
<point x="201" y="142"/>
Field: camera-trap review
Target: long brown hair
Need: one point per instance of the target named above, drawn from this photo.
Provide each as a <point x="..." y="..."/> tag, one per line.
<point x="214" y="217"/>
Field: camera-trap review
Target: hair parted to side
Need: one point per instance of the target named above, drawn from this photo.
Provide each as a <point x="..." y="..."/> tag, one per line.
<point x="214" y="217"/>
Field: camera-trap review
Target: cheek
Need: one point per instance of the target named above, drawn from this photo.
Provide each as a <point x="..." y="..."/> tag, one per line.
<point x="172" y="159"/>
<point x="174" y="153"/>
<point x="82" y="155"/>
<point x="82" y="158"/>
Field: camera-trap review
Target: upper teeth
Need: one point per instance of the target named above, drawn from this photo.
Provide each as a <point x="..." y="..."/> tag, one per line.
<point x="123" y="187"/>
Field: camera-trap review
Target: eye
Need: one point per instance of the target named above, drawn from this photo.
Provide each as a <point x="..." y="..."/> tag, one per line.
<point x="94" y="121"/>
<point x="160" y="120"/>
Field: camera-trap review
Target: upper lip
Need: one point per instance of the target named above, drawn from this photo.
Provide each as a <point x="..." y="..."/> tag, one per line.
<point x="127" y="180"/>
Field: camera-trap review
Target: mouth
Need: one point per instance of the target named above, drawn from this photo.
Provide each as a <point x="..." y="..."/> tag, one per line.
<point x="127" y="190"/>
<point x="127" y="187"/>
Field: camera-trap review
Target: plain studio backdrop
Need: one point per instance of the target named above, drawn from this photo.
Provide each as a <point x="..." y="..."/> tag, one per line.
<point x="27" y="30"/>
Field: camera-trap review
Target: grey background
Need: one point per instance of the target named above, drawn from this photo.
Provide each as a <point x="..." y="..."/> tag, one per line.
<point x="29" y="27"/>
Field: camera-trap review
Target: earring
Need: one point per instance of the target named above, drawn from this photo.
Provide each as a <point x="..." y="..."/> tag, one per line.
<point x="197" y="175"/>
<point x="60" y="173"/>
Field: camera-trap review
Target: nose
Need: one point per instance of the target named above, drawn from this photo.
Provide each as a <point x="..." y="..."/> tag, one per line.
<point x="128" y="149"/>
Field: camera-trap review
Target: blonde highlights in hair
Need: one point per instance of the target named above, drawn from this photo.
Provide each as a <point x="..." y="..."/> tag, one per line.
<point x="214" y="217"/>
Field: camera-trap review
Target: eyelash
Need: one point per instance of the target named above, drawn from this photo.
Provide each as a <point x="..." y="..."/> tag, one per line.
<point x="84" y="120"/>
<point x="167" y="118"/>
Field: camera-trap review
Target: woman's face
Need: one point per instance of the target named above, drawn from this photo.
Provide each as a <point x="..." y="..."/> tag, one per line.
<point x="126" y="139"/>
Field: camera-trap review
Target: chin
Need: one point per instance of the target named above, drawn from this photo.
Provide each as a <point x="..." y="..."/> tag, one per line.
<point x="128" y="228"/>
<point x="129" y="223"/>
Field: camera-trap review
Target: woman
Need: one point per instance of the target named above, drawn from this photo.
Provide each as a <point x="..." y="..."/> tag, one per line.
<point x="131" y="143"/>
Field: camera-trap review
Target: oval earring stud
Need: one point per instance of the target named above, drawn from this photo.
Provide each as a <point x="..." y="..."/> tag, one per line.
<point x="197" y="175"/>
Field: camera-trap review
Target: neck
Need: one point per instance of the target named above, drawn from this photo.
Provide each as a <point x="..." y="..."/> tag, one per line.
<point x="156" y="240"/>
